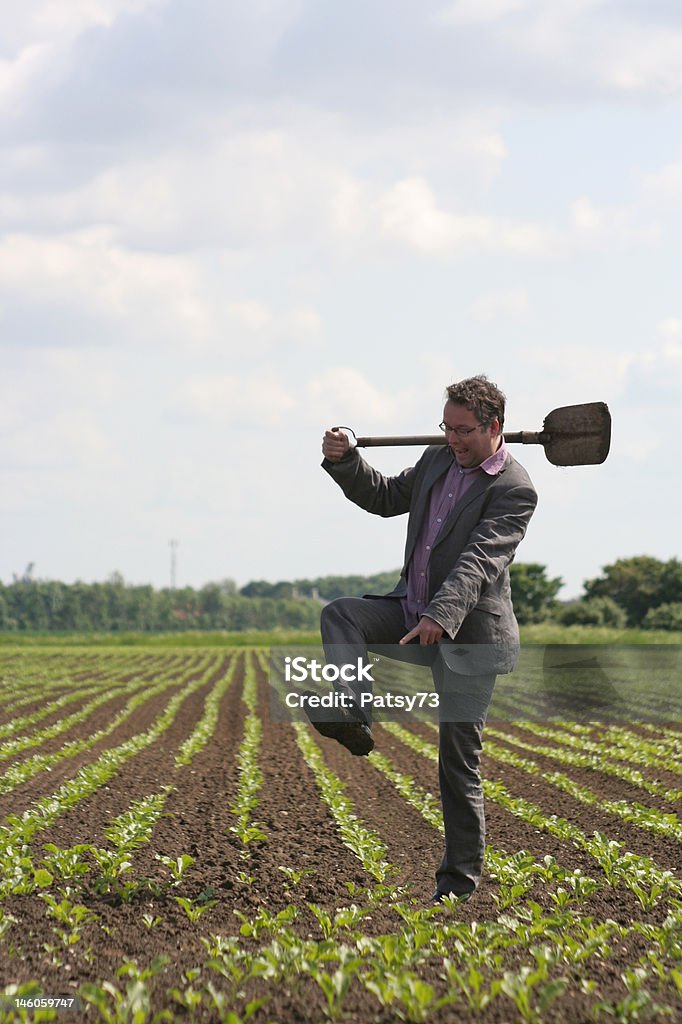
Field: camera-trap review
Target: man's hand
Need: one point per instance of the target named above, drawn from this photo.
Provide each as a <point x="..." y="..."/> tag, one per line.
<point x="335" y="444"/>
<point x="428" y="631"/>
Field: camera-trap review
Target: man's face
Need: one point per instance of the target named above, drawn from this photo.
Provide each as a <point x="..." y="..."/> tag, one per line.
<point x="477" y="446"/>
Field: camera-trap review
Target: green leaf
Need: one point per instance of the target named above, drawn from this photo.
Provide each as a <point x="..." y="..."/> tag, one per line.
<point x="42" y="878"/>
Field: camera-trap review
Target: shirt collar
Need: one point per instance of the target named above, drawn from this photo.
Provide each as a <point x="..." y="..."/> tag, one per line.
<point x="494" y="463"/>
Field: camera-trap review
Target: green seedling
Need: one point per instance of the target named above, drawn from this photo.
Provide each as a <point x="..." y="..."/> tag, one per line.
<point x="66" y="864"/>
<point x="6" y="922"/>
<point x="193" y="908"/>
<point x="335" y="985"/>
<point x="222" y="1004"/>
<point x="343" y="918"/>
<point x="478" y="991"/>
<point x="294" y="876"/>
<point x="266" y="922"/>
<point x="177" y="866"/>
<point x="65" y="912"/>
<point x="131" y="969"/>
<point x="150" y="921"/>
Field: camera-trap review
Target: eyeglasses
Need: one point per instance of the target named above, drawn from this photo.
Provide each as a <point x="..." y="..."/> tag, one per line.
<point x="460" y="431"/>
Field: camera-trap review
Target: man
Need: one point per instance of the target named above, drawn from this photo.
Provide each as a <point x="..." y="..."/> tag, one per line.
<point x="468" y="503"/>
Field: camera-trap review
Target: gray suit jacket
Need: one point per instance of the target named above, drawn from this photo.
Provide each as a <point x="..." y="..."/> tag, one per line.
<point x="469" y="591"/>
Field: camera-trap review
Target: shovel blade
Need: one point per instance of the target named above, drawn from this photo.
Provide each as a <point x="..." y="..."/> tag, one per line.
<point x="577" y="435"/>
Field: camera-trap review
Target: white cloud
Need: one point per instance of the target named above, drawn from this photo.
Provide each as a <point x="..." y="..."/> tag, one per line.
<point x="650" y="64"/>
<point x="665" y="185"/>
<point x="292" y="176"/>
<point x="585" y="216"/>
<point x="580" y="43"/>
<point x="41" y="33"/>
<point x="409" y="213"/>
<point x="48" y="19"/>
<point x="57" y="414"/>
<point x="248" y="187"/>
<point x="252" y="315"/>
<point x="508" y="303"/>
<point x="348" y="391"/>
<point x="348" y="205"/>
<point x="641" y="388"/>
<point x="479" y="11"/>
<point x="491" y="146"/>
<point x="74" y="439"/>
<point x="577" y="363"/>
<point x="306" y="324"/>
<point x="88" y="271"/>
<point x="74" y="16"/>
<point x="234" y="399"/>
<point x="670" y="330"/>
<point x="601" y="226"/>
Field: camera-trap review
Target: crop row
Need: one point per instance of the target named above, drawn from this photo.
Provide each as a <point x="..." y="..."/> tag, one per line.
<point x="16" y="836"/>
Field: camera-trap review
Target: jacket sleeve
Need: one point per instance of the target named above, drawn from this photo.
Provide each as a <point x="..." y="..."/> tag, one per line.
<point x="488" y="552"/>
<point x="371" y="490"/>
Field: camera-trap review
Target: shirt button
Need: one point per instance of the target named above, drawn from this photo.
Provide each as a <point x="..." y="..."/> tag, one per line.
<point x="438" y="520"/>
<point x="449" y="495"/>
<point x="422" y="574"/>
<point x="428" y="547"/>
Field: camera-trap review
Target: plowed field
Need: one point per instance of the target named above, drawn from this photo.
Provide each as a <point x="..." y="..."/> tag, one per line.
<point x="169" y="853"/>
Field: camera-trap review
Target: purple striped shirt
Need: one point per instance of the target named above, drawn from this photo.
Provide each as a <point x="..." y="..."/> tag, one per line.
<point x="445" y="494"/>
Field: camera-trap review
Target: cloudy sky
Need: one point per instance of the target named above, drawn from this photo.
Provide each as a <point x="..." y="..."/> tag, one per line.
<point x="227" y="225"/>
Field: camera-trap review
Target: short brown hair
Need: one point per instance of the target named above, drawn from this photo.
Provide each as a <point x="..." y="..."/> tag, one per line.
<point x="480" y="396"/>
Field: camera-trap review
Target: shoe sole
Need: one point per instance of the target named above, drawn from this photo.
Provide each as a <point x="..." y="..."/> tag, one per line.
<point x="350" y="735"/>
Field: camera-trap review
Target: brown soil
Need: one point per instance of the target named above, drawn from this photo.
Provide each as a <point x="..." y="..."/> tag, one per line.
<point x="301" y="835"/>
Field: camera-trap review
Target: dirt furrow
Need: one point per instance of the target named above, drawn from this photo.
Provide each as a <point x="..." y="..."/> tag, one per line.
<point x="144" y="773"/>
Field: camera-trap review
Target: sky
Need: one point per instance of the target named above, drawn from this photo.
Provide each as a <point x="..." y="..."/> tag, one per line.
<point x="226" y="226"/>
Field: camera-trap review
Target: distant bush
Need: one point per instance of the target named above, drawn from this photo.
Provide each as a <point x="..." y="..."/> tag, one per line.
<point x="592" y="611"/>
<point x="638" y="584"/>
<point x="666" y="616"/>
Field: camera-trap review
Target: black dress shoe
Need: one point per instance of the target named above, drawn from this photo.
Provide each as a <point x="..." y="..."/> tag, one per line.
<point x="349" y="732"/>
<point x="458" y="897"/>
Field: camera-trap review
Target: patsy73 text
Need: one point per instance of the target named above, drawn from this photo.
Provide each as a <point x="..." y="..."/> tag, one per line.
<point x="405" y="701"/>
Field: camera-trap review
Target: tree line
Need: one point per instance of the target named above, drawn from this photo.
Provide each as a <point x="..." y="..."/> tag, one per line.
<point x="640" y="592"/>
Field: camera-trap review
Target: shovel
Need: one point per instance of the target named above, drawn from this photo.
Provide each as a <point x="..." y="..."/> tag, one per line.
<point x="573" y="435"/>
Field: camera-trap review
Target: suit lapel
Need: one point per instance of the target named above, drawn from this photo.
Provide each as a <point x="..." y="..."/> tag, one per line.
<point x="478" y="487"/>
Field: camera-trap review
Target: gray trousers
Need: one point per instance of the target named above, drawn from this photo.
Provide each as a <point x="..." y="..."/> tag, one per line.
<point x="350" y="627"/>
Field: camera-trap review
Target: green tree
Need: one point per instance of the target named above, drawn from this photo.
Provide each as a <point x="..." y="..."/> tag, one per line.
<point x="533" y="593"/>
<point x="4" y="610"/>
<point x="638" y="584"/>
<point x="261" y="588"/>
<point x="331" y="587"/>
<point x="211" y="605"/>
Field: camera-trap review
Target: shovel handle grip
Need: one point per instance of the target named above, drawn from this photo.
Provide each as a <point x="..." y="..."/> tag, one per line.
<point x="386" y="442"/>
